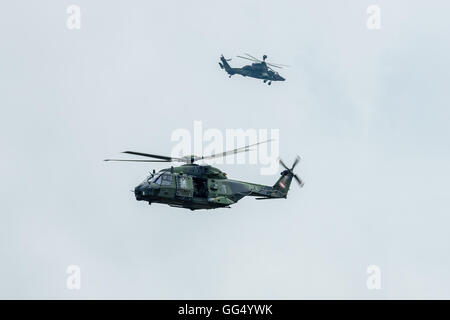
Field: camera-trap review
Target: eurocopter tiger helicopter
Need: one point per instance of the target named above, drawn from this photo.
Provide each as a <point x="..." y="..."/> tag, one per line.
<point x="194" y="187"/>
<point x="259" y="69"/>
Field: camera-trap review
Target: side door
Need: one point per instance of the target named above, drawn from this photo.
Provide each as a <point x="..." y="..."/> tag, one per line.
<point x="184" y="187"/>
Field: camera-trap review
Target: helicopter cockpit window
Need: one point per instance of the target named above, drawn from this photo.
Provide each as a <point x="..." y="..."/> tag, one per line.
<point x="166" y="179"/>
<point x="224" y="189"/>
<point x="155" y="178"/>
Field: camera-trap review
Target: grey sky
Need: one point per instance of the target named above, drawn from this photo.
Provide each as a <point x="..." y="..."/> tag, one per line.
<point x="367" y="111"/>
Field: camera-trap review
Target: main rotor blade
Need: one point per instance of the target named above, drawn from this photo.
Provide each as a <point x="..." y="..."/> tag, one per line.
<point x="252" y="56"/>
<point x="277" y="65"/>
<point x="151" y="155"/>
<point x="237" y="150"/>
<point x="269" y="64"/>
<point x="248" y="59"/>
<point x="223" y="154"/>
<point x="273" y="64"/>
<point x="132" y="160"/>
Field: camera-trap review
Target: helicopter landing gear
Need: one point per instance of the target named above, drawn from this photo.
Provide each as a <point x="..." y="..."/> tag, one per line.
<point x="229" y="76"/>
<point x="265" y="80"/>
<point x="270" y="82"/>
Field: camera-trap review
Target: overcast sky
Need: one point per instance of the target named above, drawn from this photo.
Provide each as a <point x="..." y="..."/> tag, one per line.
<point x="368" y="111"/>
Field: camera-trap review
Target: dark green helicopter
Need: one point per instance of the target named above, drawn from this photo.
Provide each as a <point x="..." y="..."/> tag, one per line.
<point x="194" y="187"/>
<point x="259" y="69"/>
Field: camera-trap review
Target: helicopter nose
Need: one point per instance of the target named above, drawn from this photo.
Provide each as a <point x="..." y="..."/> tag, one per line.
<point x="141" y="191"/>
<point x="281" y="78"/>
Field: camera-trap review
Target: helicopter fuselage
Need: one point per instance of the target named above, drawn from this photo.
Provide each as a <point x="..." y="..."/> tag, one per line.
<point x="250" y="71"/>
<point x="255" y="70"/>
<point x="195" y="187"/>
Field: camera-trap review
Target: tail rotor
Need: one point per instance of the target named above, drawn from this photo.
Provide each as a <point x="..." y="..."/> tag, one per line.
<point x="289" y="171"/>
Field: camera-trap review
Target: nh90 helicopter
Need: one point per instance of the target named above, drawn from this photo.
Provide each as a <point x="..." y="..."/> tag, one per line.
<point x="194" y="187"/>
<point x="259" y="69"/>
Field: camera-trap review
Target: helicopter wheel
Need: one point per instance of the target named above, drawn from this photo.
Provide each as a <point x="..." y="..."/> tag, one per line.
<point x="265" y="80"/>
<point x="270" y="82"/>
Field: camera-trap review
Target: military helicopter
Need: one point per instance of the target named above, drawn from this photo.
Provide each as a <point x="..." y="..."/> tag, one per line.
<point x="194" y="186"/>
<point x="259" y="69"/>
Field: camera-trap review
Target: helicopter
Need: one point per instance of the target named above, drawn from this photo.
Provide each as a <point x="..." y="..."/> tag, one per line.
<point x="259" y="69"/>
<point x="192" y="186"/>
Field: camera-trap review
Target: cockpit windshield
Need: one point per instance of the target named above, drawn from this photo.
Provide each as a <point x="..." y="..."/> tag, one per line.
<point x="152" y="179"/>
